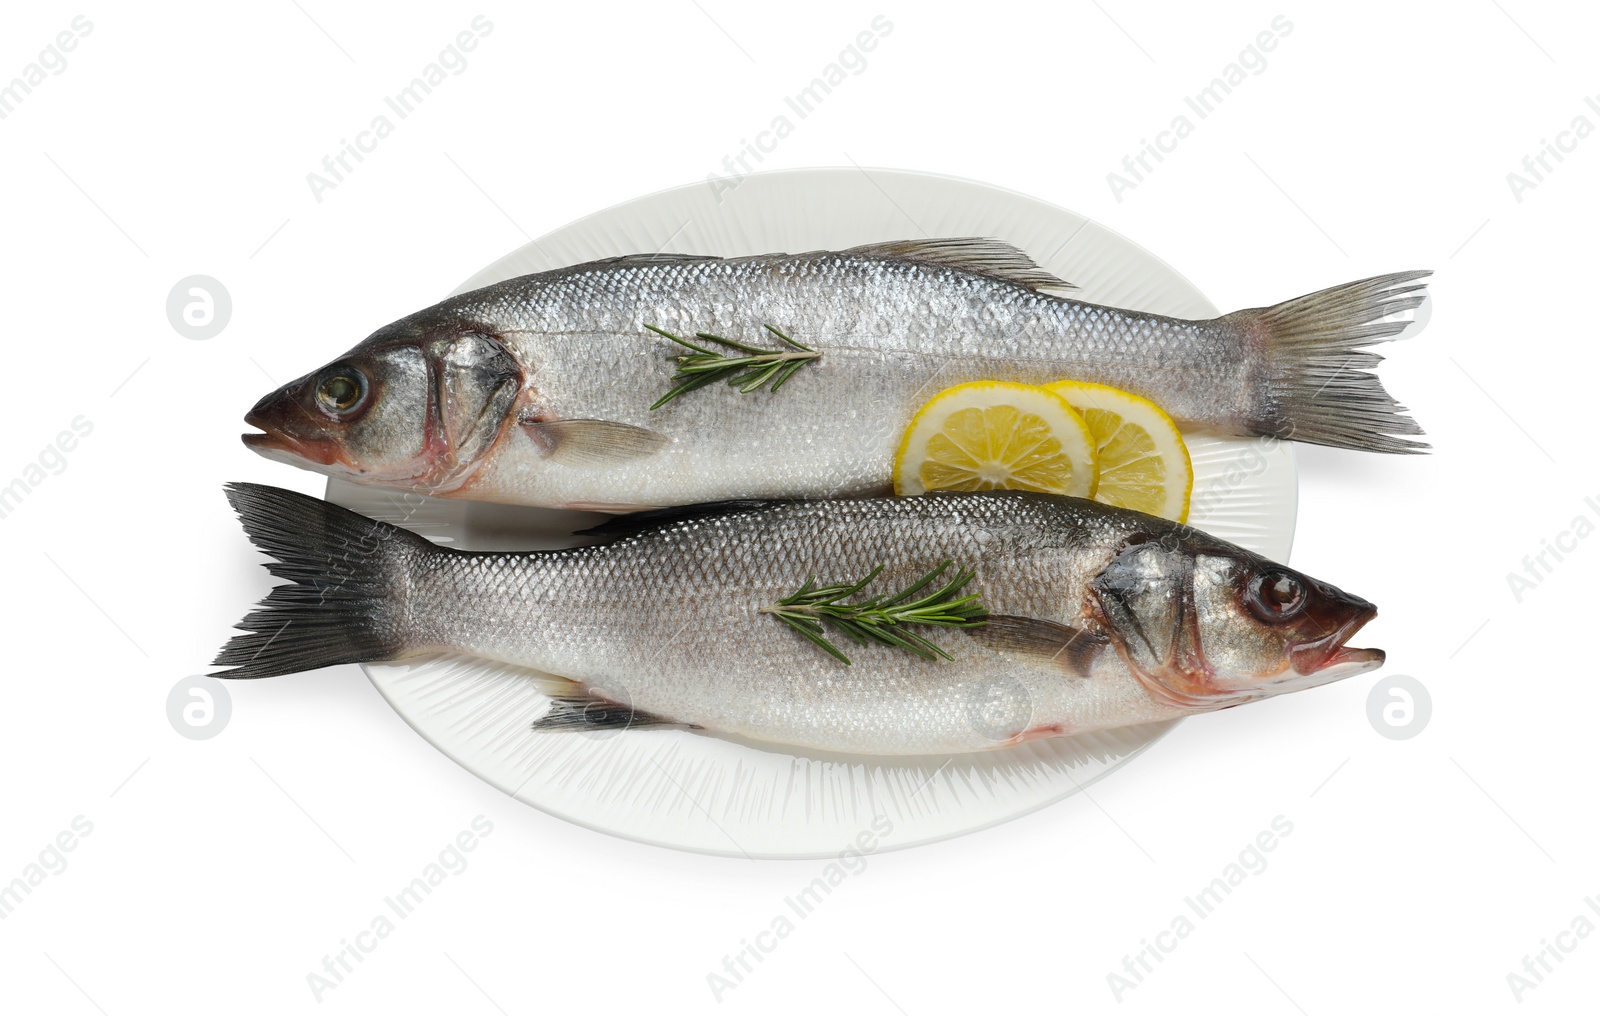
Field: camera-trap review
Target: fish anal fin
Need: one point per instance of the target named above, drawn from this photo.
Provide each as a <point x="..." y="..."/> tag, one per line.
<point x="592" y="443"/>
<point x="576" y="709"/>
<point x="663" y="518"/>
<point x="1073" y="650"/>
<point x="979" y="255"/>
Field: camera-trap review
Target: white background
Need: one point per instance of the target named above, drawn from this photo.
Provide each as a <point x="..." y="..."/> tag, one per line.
<point x="1418" y="874"/>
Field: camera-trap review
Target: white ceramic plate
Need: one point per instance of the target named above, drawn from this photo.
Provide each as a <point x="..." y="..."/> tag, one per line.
<point x="701" y="793"/>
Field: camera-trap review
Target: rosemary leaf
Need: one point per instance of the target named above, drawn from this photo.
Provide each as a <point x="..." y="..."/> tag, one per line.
<point x="813" y="631"/>
<point x="762" y="367"/>
<point x="731" y="344"/>
<point x="787" y="373"/>
<point x="881" y="618"/>
<point x="681" y="342"/>
<point x="786" y="338"/>
<point x="694" y="381"/>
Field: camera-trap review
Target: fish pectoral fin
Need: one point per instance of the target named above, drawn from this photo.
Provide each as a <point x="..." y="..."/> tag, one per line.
<point x="578" y="710"/>
<point x="1073" y="650"/>
<point x="592" y="443"/>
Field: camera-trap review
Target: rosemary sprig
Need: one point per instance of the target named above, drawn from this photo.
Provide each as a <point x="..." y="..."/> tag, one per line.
<point x="880" y="618"/>
<point x="746" y="373"/>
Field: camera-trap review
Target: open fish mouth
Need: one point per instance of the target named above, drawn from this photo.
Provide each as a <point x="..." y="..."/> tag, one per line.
<point x="297" y="451"/>
<point x="1330" y="652"/>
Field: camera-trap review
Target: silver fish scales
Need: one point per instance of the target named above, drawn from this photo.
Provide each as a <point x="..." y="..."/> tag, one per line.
<point x="1097" y="617"/>
<point x="539" y="390"/>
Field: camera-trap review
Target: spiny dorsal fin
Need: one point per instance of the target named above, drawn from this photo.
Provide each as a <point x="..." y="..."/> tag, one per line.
<point x="1074" y="650"/>
<point x="657" y="258"/>
<point x="979" y="255"/>
<point x="660" y="518"/>
<point x="995" y="259"/>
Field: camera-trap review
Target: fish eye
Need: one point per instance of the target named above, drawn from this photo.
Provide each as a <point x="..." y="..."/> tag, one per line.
<point x="1276" y="595"/>
<point x="342" y="391"/>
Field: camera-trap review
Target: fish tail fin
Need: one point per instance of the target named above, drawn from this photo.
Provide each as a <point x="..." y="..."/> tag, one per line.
<point x="345" y="572"/>
<point x="1316" y="386"/>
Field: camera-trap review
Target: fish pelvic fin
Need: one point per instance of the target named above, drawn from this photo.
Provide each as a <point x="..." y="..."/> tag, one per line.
<point x="1315" y="385"/>
<point x="347" y="575"/>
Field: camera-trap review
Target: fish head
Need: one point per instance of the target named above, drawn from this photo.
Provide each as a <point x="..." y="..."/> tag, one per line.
<point x="418" y="405"/>
<point x="1206" y="625"/>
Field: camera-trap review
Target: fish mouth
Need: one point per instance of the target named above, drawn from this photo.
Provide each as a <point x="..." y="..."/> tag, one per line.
<point x="276" y="443"/>
<point x="1330" y="651"/>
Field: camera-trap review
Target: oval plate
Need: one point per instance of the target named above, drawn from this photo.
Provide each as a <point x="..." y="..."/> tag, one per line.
<point x="684" y="790"/>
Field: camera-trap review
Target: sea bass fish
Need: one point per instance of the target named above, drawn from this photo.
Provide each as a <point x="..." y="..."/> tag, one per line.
<point x="1096" y="617"/>
<point x="544" y="390"/>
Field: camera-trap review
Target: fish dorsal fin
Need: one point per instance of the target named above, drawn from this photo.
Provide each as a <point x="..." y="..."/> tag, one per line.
<point x="660" y="518"/>
<point x="1073" y="650"/>
<point x="622" y="260"/>
<point x="994" y="259"/>
<point x="979" y="255"/>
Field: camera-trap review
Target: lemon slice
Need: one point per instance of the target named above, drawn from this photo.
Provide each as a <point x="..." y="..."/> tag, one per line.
<point x="995" y="435"/>
<point x="1144" y="464"/>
